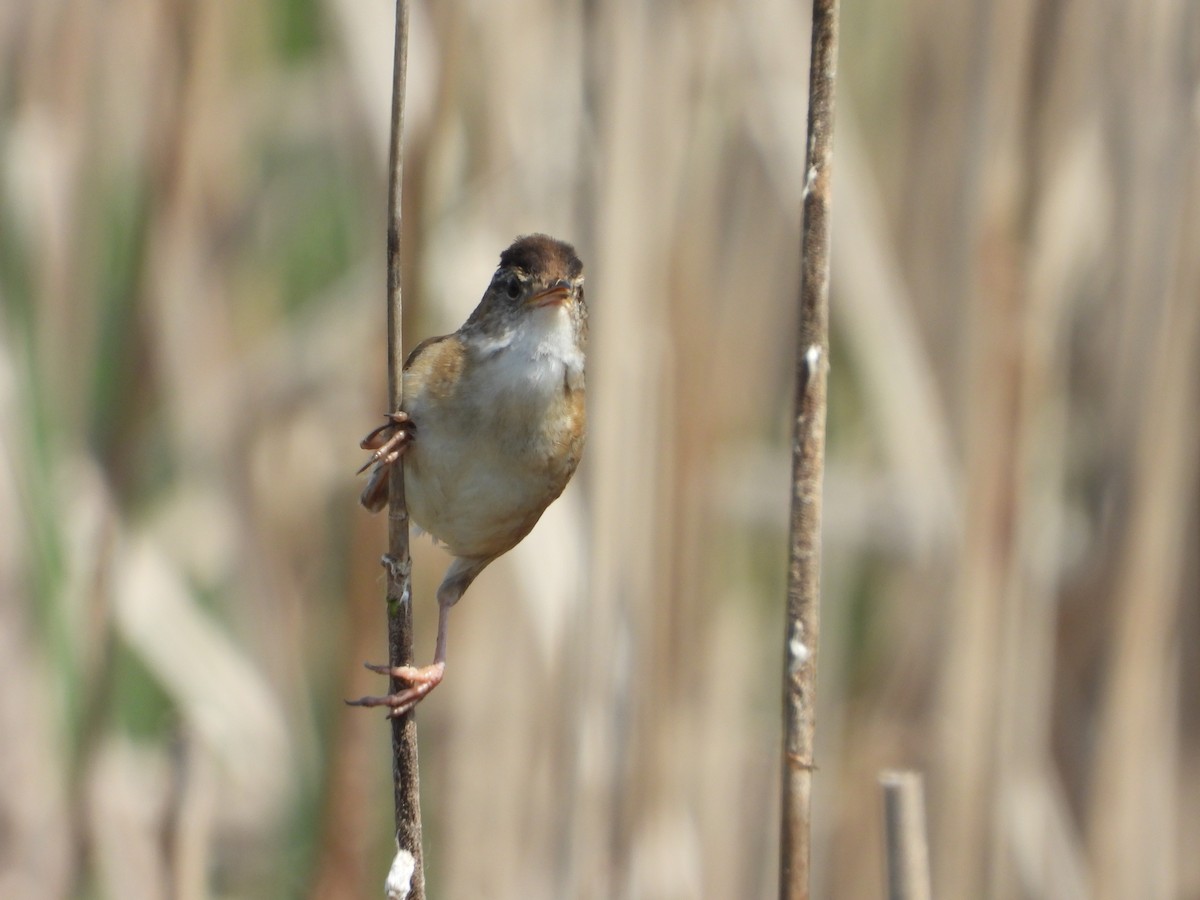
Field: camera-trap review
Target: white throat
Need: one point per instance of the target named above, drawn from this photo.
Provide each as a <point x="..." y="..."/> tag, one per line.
<point x="546" y="339"/>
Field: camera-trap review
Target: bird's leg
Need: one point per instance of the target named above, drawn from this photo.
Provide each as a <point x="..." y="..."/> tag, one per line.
<point x="388" y="440"/>
<point x="424" y="679"/>
<point x="420" y="680"/>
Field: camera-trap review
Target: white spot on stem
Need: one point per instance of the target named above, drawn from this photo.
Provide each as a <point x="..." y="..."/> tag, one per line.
<point x="799" y="651"/>
<point x="809" y="179"/>
<point x="812" y="357"/>
<point x="399" y="878"/>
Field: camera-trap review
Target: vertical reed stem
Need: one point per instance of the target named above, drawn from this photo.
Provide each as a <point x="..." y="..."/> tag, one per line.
<point x="904" y="835"/>
<point x="405" y="779"/>
<point x="808" y="462"/>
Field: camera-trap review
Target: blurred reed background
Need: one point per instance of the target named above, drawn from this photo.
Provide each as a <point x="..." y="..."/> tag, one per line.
<point x="192" y="202"/>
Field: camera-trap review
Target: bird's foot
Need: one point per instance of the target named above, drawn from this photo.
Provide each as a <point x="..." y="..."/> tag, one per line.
<point x="420" y="682"/>
<point x="388" y="441"/>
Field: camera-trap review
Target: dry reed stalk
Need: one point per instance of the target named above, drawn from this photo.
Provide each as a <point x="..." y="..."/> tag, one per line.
<point x="1038" y="306"/>
<point x="905" y="836"/>
<point x="985" y="626"/>
<point x="405" y="775"/>
<point x="1134" y="817"/>
<point x="614" y="803"/>
<point x="808" y="463"/>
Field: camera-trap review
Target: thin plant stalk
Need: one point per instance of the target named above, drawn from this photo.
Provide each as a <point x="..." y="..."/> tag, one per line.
<point x="808" y="463"/>
<point x="406" y="783"/>
<point x="904" y="835"/>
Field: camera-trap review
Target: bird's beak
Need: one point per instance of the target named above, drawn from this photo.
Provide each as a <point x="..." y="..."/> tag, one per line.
<point x="556" y="293"/>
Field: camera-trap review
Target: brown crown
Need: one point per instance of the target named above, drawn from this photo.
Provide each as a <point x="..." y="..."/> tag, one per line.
<point x="544" y="255"/>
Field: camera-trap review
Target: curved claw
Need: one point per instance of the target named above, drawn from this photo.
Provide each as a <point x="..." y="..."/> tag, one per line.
<point x="388" y="441"/>
<point x="372" y="440"/>
<point x="388" y="453"/>
<point x="420" y="680"/>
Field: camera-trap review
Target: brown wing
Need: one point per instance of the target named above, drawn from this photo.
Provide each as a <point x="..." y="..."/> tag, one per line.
<point x="434" y="368"/>
<point x="422" y="347"/>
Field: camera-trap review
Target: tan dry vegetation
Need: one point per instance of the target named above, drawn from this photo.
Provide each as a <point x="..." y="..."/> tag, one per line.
<point x="191" y="342"/>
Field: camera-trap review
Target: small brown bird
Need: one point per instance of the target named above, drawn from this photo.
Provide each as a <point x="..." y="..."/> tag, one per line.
<point x="492" y="428"/>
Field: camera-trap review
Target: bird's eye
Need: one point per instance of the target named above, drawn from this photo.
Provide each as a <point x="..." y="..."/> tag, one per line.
<point x="513" y="288"/>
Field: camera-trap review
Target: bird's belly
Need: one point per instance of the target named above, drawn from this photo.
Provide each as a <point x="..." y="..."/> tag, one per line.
<point x="477" y="496"/>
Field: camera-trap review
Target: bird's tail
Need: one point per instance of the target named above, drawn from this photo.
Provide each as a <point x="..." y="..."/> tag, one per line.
<point x="375" y="494"/>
